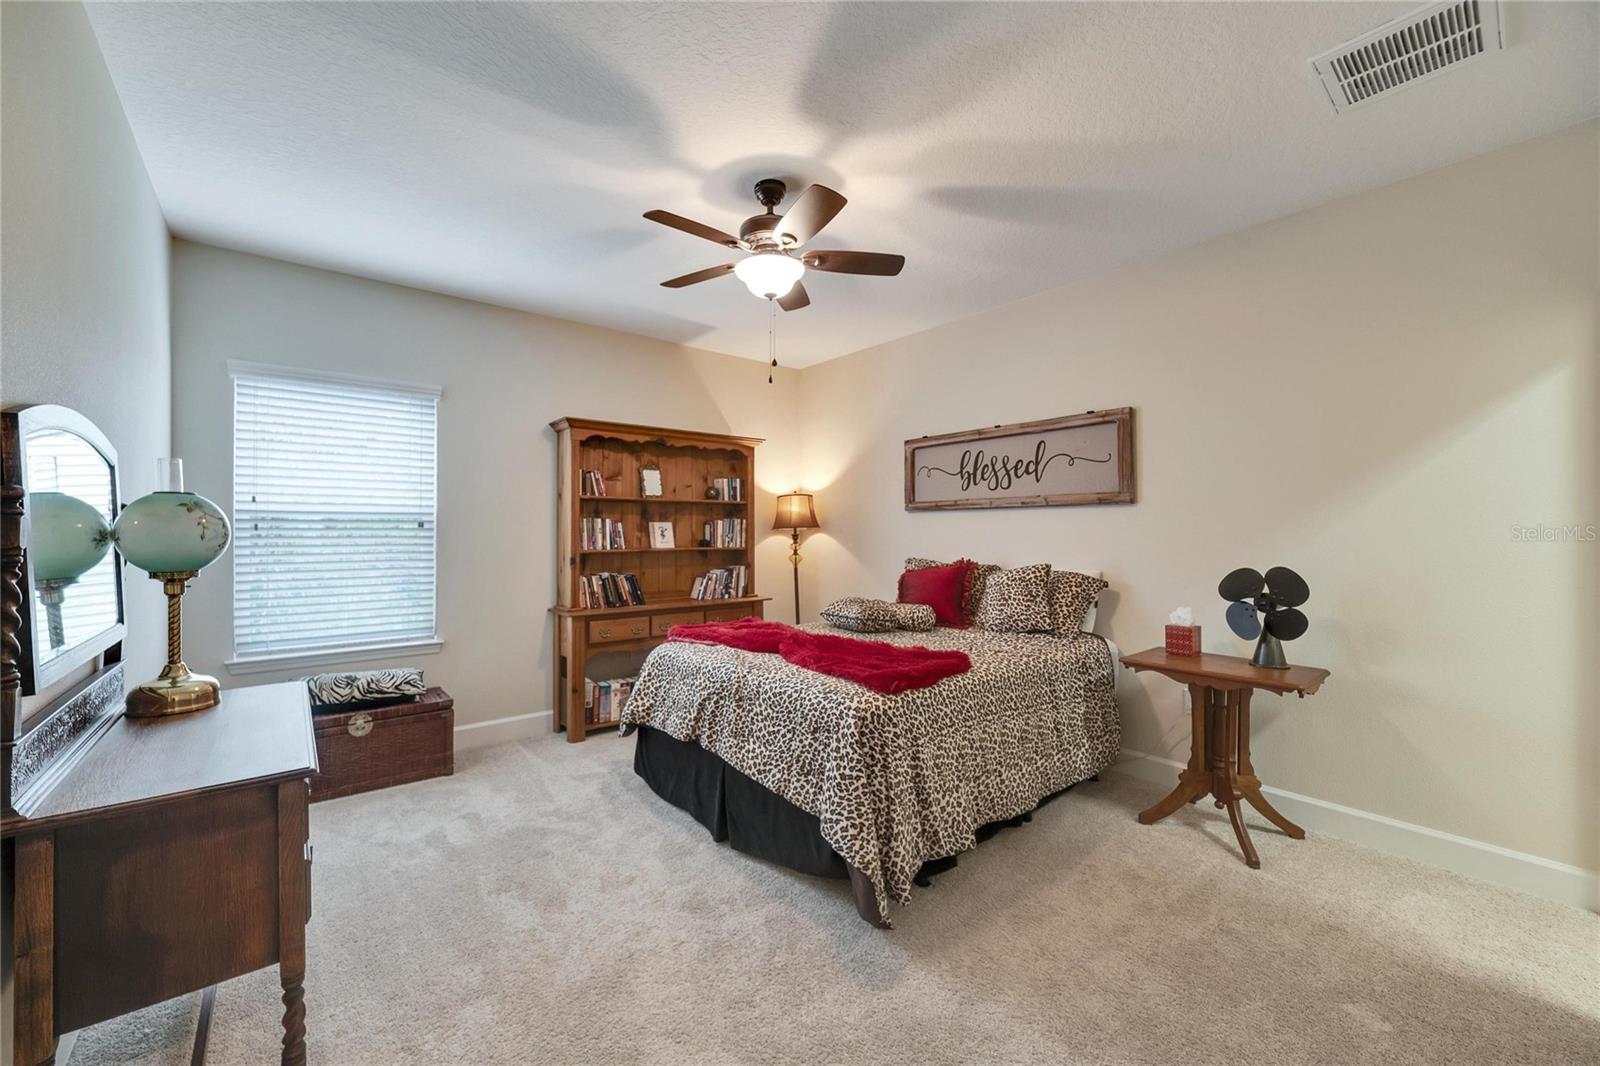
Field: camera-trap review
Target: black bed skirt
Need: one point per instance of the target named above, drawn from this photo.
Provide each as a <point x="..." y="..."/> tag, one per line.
<point x="757" y="821"/>
<point x="733" y="808"/>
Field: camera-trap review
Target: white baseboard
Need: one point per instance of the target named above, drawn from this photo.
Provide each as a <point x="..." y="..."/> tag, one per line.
<point x="501" y="730"/>
<point x="1571" y="885"/>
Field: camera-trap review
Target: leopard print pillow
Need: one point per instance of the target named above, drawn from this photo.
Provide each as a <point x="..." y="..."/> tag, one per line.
<point x="975" y="582"/>
<point x="1071" y="596"/>
<point x="917" y="617"/>
<point x="1017" y="601"/>
<point x="861" y="615"/>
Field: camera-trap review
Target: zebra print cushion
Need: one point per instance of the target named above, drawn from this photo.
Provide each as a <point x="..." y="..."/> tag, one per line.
<point x="328" y="690"/>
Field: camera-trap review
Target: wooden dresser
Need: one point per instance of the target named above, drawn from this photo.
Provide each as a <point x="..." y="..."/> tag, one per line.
<point x="160" y="856"/>
<point x="692" y="470"/>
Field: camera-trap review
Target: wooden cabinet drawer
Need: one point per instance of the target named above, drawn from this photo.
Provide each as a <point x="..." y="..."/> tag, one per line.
<point x="619" y="629"/>
<point x="660" y="623"/>
<point x="728" y="614"/>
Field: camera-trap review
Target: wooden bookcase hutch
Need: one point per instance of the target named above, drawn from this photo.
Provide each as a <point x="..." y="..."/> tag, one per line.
<point x="689" y="463"/>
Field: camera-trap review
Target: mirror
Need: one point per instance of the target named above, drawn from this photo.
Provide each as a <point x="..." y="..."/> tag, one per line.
<point x="72" y="588"/>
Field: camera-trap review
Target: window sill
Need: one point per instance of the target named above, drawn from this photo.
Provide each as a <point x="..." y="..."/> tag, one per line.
<point x="262" y="664"/>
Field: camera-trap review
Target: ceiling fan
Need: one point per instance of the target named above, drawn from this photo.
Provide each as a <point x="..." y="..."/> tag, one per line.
<point x="773" y="270"/>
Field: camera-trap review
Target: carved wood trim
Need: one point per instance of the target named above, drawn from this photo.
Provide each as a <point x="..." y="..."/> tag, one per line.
<point x="11" y="512"/>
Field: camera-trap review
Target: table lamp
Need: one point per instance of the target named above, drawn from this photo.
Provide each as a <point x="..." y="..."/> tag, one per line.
<point x="795" y="512"/>
<point x="172" y="535"/>
<point x="69" y="537"/>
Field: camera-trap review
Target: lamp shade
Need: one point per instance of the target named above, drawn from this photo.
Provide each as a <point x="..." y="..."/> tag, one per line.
<point x="68" y="536"/>
<point x="769" y="274"/>
<point x="171" y="532"/>
<point x="795" y="511"/>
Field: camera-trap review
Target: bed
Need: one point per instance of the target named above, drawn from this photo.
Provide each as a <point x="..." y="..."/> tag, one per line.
<point x="828" y="777"/>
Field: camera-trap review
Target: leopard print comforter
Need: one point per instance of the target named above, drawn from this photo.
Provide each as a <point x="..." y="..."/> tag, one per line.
<point x="896" y="780"/>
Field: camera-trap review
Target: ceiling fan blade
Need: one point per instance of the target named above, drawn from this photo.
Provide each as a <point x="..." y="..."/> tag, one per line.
<point x="1240" y="584"/>
<point x="1287" y="624"/>
<point x="815" y="209"/>
<point x="795" y="298"/>
<point x="882" y="264"/>
<point x="690" y="226"/>
<point x="1288" y="588"/>
<point x="1243" y="621"/>
<point x="698" y="276"/>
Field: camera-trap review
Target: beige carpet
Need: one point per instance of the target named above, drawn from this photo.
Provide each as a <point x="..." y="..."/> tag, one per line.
<point x="543" y="906"/>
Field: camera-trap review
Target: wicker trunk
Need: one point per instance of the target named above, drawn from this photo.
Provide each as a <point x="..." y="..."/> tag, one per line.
<point x="377" y="746"/>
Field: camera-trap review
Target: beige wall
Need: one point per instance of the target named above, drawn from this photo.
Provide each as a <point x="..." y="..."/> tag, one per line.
<point x="83" y="283"/>
<point x="505" y="376"/>
<point x="1373" y="392"/>
<point x="83" y="265"/>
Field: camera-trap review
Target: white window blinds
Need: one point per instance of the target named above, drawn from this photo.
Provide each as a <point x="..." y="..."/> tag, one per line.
<point x="333" y="513"/>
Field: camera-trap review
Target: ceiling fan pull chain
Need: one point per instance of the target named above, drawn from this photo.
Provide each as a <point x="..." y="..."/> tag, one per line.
<point x="772" y="337"/>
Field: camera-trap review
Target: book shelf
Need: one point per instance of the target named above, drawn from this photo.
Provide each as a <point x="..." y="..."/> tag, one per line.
<point x="597" y="643"/>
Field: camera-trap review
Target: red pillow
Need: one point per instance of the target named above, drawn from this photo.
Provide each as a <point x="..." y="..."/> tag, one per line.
<point x="944" y="588"/>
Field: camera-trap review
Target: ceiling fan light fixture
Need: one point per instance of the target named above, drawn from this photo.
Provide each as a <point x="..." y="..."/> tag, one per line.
<point x="769" y="275"/>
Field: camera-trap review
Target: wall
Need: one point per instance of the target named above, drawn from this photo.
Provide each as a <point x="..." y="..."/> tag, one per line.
<point x="83" y="280"/>
<point x="1373" y="392"/>
<point x="83" y="265"/>
<point x="506" y="375"/>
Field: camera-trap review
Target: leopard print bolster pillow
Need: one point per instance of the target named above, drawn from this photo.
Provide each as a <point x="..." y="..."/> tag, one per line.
<point x="366" y="686"/>
<point x="917" y="617"/>
<point x="861" y="615"/>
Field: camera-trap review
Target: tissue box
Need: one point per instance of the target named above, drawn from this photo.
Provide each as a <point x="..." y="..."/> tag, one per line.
<point x="1183" y="640"/>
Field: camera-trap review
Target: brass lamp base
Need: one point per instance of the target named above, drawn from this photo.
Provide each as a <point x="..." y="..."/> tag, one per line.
<point x="176" y="691"/>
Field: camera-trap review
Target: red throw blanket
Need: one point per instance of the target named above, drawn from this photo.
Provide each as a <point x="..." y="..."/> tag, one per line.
<point x="746" y="634"/>
<point x="886" y="668"/>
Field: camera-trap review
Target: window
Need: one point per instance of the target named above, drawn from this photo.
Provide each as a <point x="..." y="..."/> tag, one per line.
<point x="333" y="514"/>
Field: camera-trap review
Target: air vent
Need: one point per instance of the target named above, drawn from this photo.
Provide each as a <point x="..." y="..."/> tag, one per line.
<point x="1407" y="50"/>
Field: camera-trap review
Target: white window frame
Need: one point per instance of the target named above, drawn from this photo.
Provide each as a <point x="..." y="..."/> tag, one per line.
<point x="266" y="662"/>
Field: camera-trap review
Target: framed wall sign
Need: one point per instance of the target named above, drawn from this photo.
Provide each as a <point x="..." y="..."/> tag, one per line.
<point x="1085" y="458"/>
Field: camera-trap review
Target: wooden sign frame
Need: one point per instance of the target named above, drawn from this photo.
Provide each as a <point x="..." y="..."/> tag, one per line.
<point x="1122" y="417"/>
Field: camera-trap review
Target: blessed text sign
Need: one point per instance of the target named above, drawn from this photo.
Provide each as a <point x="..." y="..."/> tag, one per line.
<point x="1085" y="458"/>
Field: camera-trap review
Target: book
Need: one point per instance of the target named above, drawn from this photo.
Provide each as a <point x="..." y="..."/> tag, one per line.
<point x="725" y="532"/>
<point x="723" y="583"/>
<point x="603" y="700"/>
<point x="591" y="483"/>
<point x="596" y="534"/>
<point x="610" y="590"/>
<point x="729" y="488"/>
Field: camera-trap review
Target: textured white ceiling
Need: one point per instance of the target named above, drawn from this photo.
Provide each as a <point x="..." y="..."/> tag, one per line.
<point x="505" y="152"/>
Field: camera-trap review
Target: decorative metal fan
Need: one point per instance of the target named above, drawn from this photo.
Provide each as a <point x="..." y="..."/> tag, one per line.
<point x="772" y="271"/>
<point x="1275" y="597"/>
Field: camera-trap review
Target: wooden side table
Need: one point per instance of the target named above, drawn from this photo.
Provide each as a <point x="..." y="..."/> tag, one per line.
<point x="1220" y="687"/>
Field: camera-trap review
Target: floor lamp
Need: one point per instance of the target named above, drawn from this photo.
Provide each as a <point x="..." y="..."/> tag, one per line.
<point x="795" y="512"/>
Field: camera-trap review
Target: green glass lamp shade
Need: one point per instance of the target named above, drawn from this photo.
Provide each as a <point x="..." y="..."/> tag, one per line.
<point x="66" y="536"/>
<point x="171" y="532"/>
